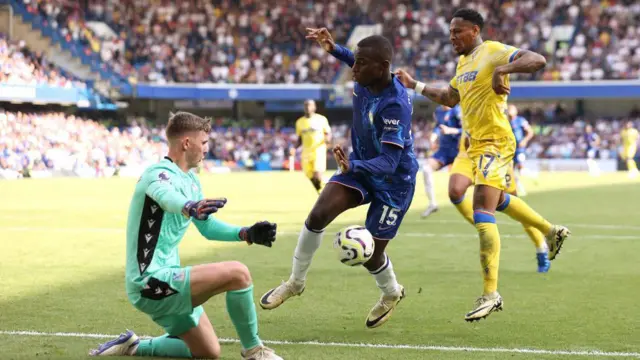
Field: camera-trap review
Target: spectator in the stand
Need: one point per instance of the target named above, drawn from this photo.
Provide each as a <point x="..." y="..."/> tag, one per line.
<point x="254" y="41"/>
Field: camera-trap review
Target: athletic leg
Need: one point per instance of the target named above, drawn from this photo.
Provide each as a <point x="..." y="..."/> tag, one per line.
<point x="341" y="193"/>
<point x="383" y="221"/>
<point x="433" y="164"/>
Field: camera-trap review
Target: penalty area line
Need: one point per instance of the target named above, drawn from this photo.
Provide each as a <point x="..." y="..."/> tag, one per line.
<point x="360" y="345"/>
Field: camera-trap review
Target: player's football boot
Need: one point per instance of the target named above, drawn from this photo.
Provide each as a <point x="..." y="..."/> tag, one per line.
<point x="260" y="353"/>
<point x="485" y="305"/>
<point x="543" y="262"/>
<point x="276" y="296"/>
<point x="125" y="345"/>
<point x="555" y="239"/>
<point x="430" y="210"/>
<point x="383" y="309"/>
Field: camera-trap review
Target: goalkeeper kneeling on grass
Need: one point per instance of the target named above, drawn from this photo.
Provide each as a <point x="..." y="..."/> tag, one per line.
<point x="167" y="198"/>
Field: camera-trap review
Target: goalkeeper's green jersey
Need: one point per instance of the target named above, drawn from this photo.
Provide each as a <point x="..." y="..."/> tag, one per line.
<point x="156" y="225"/>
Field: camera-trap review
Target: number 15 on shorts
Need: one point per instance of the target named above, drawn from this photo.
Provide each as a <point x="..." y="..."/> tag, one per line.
<point x="390" y="215"/>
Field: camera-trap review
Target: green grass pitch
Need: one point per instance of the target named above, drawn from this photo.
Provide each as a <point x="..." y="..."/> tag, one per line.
<point x="62" y="247"/>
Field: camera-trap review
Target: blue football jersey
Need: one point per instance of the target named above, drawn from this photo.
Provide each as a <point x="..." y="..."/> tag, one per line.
<point x="453" y="119"/>
<point x="384" y="118"/>
<point x="517" y="125"/>
<point x="591" y="140"/>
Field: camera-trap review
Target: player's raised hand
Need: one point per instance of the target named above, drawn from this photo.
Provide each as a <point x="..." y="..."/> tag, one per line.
<point x="261" y="233"/>
<point x="200" y="210"/>
<point x="407" y="80"/>
<point x="498" y="85"/>
<point x="341" y="158"/>
<point x="322" y="37"/>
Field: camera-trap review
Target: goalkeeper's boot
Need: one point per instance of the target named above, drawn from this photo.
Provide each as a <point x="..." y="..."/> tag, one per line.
<point x="260" y="352"/>
<point x="383" y="309"/>
<point x="276" y="296"/>
<point x="125" y="345"/>
<point x="555" y="239"/>
<point x="543" y="262"/>
<point x="485" y="305"/>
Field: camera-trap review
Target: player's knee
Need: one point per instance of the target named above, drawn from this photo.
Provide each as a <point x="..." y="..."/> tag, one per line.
<point x="317" y="219"/>
<point x="241" y="276"/>
<point x="456" y="194"/>
<point x="212" y="351"/>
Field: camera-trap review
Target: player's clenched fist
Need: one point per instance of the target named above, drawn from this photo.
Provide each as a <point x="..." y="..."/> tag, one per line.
<point x="261" y="233"/>
<point x="322" y="37"/>
<point x="200" y="210"/>
<point x="406" y="79"/>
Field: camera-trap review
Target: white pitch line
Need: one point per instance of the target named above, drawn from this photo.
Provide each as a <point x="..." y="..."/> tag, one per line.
<point x="364" y="345"/>
<point x="281" y="233"/>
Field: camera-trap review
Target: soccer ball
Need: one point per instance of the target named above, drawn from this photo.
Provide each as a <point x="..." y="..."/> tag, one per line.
<point x="354" y="245"/>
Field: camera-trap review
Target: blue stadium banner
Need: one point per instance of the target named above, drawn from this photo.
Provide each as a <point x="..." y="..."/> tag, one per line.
<point x="341" y="96"/>
<point x="240" y="92"/>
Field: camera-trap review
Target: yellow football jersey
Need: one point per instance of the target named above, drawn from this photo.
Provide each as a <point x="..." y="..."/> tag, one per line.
<point x="312" y="130"/>
<point x="629" y="137"/>
<point x="483" y="111"/>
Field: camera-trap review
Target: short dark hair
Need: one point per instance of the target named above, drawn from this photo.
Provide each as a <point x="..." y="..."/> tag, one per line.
<point x="470" y="15"/>
<point x="183" y="122"/>
<point x="381" y="44"/>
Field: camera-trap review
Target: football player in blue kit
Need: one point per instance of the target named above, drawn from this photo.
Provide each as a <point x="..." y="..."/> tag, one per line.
<point x="380" y="171"/>
<point x="523" y="134"/>
<point x="447" y="132"/>
<point x="593" y="146"/>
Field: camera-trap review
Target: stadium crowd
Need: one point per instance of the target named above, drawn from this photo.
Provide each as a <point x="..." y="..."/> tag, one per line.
<point x="254" y="41"/>
<point x="35" y="144"/>
<point x="20" y="66"/>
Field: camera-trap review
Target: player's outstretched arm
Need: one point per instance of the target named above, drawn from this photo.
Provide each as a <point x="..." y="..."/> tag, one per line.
<point x="447" y="96"/>
<point x="261" y="233"/>
<point x="324" y="39"/>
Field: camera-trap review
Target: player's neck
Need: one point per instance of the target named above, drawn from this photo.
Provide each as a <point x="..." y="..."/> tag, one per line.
<point x="478" y="42"/>
<point x="179" y="160"/>
<point x="379" y="87"/>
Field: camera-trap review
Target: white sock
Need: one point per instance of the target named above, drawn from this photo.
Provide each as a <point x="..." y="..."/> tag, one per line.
<point x="428" y="185"/>
<point x="593" y="166"/>
<point x="308" y="242"/>
<point x="519" y="185"/>
<point x="543" y="249"/>
<point x="385" y="277"/>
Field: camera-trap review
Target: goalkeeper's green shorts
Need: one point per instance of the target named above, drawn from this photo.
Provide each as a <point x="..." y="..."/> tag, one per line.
<point x="166" y="298"/>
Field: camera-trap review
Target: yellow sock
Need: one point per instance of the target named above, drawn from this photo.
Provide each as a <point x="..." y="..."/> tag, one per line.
<point x="465" y="207"/>
<point x="489" y="248"/>
<point x="631" y="165"/>
<point x="523" y="213"/>
<point x="536" y="236"/>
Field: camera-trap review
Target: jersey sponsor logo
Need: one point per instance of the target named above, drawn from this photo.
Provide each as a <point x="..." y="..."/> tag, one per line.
<point x="467" y="77"/>
<point x="393" y="122"/>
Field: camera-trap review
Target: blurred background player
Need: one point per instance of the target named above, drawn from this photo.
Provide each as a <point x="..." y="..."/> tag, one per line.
<point x="481" y="86"/>
<point x="166" y="199"/>
<point x="629" y="139"/>
<point x="381" y="170"/>
<point x="593" y="144"/>
<point x="523" y="134"/>
<point x="447" y="133"/>
<point x="314" y="134"/>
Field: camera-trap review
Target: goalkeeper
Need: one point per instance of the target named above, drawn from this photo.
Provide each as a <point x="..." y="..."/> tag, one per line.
<point x="166" y="199"/>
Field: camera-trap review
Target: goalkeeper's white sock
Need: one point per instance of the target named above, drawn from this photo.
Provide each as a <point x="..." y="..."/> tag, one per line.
<point x="385" y="277"/>
<point x="308" y="242"/>
<point x="428" y="185"/>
